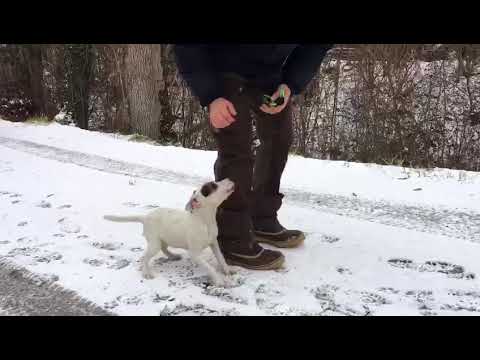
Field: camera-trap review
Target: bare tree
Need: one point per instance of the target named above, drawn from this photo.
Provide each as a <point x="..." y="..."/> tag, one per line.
<point x="32" y="56"/>
<point x="402" y="104"/>
<point x="144" y="82"/>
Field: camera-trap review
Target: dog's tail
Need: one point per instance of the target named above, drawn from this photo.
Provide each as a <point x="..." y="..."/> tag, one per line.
<point x="134" y="218"/>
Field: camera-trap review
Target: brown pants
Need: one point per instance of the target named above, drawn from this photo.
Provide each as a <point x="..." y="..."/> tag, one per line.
<point x="257" y="197"/>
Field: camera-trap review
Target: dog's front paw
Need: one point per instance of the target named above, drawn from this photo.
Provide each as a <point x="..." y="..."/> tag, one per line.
<point x="219" y="281"/>
<point x="224" y="282"/>
<point x="228" y="270"/>
<point x="229" y="283"/>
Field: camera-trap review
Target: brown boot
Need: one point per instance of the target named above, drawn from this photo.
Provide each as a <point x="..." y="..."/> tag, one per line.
<point x="269" y="231"/>
<point x="237" y="243"/>
<point x="253" y="256"/>
<point x="283" y="239"/>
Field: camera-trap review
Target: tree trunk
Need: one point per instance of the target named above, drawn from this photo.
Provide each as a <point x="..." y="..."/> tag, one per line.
<point x="33" y="58"/>
<point x="144" y="77"/>
<point x="80" y="61"/>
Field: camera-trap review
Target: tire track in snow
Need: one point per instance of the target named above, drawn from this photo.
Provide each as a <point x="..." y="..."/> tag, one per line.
<point x="436" y="220"/>
<point x="23" y="293"/>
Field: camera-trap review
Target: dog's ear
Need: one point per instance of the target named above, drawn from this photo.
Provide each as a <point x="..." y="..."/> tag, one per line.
<point x="193" y="203"/>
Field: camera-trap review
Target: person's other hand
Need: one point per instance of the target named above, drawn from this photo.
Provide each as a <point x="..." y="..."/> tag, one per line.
<point x="276" y="95"/>
<point x="222" y="113"/>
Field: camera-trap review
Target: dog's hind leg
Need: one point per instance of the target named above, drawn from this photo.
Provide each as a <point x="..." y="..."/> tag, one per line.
<point x="153" y="247"/>
<point x="167" y="252"/>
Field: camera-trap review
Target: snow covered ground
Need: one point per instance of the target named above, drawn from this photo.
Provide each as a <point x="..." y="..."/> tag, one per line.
<point x="380" y="240"/>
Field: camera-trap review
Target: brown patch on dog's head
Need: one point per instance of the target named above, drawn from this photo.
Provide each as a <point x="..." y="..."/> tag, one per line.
<point x="210" y="195"/>
<point x="208" y="188"/>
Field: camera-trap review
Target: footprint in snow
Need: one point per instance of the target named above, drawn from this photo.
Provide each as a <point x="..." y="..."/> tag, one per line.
<point x="48" y="257"/>
<point x="388" y="290"/>
<point x="130" y="204"/>
<point x="131" y="300"/>
<point x="374" y="298"/>
<point x="329" y="238"/>
<point x="66" y="206"/>
<point x="151" y="207"/>
<point x="110" y="305"/>
<point x="23" y="251"/>
<point x="443" y="267"/>
<point x="463" y="300"/>
<point x="46" y="278"/>
<point x="69" y="226"/>
<point x="44" y="204"/>
<point x="159" y="298"/>
<point x="93" y="262"/>
<point x="107" y="245"/>
<point x="120" y="264"/>
<point x="343" y="270"/>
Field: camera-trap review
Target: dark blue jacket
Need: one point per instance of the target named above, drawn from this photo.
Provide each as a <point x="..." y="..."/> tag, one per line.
<point x="267" y="66"/>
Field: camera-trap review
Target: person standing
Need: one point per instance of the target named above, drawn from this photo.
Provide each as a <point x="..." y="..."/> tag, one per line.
<point x="232" y="81"/>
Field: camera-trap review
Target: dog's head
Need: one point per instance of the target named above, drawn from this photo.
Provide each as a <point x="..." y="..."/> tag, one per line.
<point x="211" y="194"/>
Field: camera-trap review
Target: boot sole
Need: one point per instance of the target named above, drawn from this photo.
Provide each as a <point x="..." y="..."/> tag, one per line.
<point x="274" y="265"/>
<point x="290" y="243"/>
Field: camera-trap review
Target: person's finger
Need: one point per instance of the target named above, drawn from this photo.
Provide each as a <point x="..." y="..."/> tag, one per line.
<point x="231" y="109"/>
<point x="227" y="117"/>
<point x="266" y="109"/>
<point x="224" y="122"/>
<point x="275" y="95"/>
<point x="272" y="110"/>
<point x="276" y="110"/>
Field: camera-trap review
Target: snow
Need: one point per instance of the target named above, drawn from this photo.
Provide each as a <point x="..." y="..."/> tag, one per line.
<point x="368" y="181"/>
<point x="347" y="266"/>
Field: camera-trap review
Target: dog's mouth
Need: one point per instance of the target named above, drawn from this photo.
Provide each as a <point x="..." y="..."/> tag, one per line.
<point x="231" y="189"/>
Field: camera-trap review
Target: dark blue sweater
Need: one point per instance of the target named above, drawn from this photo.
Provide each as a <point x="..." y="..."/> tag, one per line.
<point x="267" y="66"/>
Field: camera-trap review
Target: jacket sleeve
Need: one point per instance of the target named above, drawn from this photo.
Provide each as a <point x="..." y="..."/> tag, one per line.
<point x="302" y="64"/>
<point x="196" y="68"/>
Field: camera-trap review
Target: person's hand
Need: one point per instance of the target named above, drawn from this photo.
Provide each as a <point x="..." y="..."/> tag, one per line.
<point x="221" y="113"/>
<point x="277" y="94"/>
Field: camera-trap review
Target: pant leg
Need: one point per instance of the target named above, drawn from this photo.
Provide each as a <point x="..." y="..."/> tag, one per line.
<point x="235" y="161"/>
<point x="275" y="135"/>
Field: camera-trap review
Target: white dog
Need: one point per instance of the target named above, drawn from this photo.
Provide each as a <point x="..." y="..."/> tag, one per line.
<point x="192" y="229"/>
